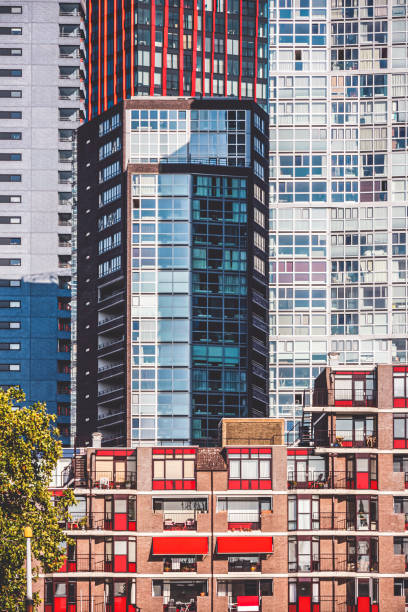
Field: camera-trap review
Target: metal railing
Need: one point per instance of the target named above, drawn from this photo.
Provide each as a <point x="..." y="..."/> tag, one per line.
<point x="180" y="520"/>
<point x="336" y="563"/>
<point x="94" y="520"/>
<point x="340" y="438"/>
<point x="114" y="480"/>
<point x="323" y="480"/>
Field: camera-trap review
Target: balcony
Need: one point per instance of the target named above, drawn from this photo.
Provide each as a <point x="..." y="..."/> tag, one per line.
<point x="346" y="438"/>
<point x="180" y="564"/>
<point x="244" y="564"/>
<point x="114" y="480"/>
<point x="338" y="563"/>
<point x="185" y="520"/>
<point x="334" y="480"/>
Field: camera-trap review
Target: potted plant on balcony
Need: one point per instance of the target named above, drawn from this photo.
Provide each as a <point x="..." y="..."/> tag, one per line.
<point x="83" y="523"/>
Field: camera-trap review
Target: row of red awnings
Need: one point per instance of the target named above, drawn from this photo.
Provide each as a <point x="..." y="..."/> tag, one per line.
<point x="230" y="545"/>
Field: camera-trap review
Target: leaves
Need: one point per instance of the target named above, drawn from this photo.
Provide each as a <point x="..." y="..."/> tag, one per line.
<point x="28" y="456"/>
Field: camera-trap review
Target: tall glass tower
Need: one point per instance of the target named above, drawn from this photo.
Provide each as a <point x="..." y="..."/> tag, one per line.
<point x="338" y="180"/>
<point x="172" y="269"/>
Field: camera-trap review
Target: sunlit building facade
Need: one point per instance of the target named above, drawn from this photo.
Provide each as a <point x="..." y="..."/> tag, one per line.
<point x="338" y="180"/>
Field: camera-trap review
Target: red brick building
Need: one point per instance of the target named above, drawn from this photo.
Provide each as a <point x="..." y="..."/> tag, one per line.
<point x="321" y="526"/>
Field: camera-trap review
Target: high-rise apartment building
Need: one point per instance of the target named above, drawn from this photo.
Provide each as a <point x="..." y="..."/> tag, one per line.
<point x="42" y="93"/>
<point x="338" y="180"/>
<point x="176" y="48"/>
<point x="172" y="269"/>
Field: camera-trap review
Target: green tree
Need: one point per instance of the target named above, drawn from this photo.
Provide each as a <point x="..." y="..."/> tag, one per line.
<point x="29" y="451"/>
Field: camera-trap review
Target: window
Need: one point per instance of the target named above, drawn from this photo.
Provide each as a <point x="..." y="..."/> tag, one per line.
<point x="10" y="178"/>
<point x="110" y="195"/>
<point x="13" y="240"/>
<point x="109" y="172"/>
<point x="10" y="157"/>
<point x="10" y="220"/>
<point x="6" y="282"/>
<point x="10" y="304"/>
<point x="11" y="31"/>
<point x="10" y="346"/>
<point x="110" y="266"/>
<point x="4" y="9"/>
<point x="10" y="367"/>
<point x="109" y="124"/>
<point x="400" y="378"/>
<point x="176" y="465"/>
<point x="5" y="51"/>
<point x="10" y="325"/>
<point x="11" y="72"/>
<point x="259" y="265"/>
<point x="249" y="469"/>
<point x="10" y="93"/>
<point x="11" y="114"/>
<point x="10" y="262"/>
<point x="10" y="135"/>
<point x="400" y="431"/>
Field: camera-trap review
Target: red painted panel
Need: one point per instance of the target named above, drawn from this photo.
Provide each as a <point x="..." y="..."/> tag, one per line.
<point x="190" y="484"/>
<point x="399" y="443"/>
<point x="234" y="484"/>
<point x="180" y="545"/>
<point x="316" y="607"/>
<point x="60" y="604"/>
<point x="158" y="485"/>
<point x="248" y="600"/>
<point x="265" y="484"/>
<point x="244" y="544"/>
<point x="362" y="480"/>
<point x="374" y="608"/>
<point x="399" y="402"/>
<point x="164" y="81"/>
<point x="120" y="563"/>
<point x="63" y="566"/>
<point x="120" y="604"/>
<point x="72" y="607"/>
<point x="120" y="522"/>
<point x="158" y="451"/>
<point x="152" y="44"/>
<point x="194" y="60"/>
<point x="132" y="48"/>
<point x="254" y="484"/>
<point x="181" y="48"/>
<point x="363" y="604"/>
<point x="48" y="608"/>
<point x="343" y="402"/>
<point x="305" y="604"/>
<point x="292" y="608"/>
<point x="131" y="567"/>
<point x="132" y="526"/>
<point x="399" y="369"/>
<point x="373" y="484"/>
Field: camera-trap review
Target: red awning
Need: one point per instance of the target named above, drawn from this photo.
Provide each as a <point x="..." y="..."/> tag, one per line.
<point x="180" y="546"/>
<point x="244" y="545"/>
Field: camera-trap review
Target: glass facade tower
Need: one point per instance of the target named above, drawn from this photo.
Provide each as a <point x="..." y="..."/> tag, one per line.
<point x="338" y="179"/>
<point x="173" y="308"/>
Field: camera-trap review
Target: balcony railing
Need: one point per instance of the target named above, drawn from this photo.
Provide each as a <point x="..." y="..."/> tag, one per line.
<point x="86" y="563"/>
<point x="336" y="563"/>
<point x="244" y="565"/>
<point x="180" y="520"/>
<point x="348" y="439"/>
<point x="326" y="480"/>
<point x="176" y="564"/>
<point x="114" y="480"/>
<point x="94" y="520"/>
<point x="243" y="521"/>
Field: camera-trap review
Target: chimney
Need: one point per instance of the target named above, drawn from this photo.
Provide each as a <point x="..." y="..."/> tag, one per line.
<point x="96" y="440"/>
<point x="333" y="358"/>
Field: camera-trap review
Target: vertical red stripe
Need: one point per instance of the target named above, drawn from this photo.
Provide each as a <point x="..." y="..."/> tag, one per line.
<point x="203" y="52"/>
<point x="194" y="62"/>
<point x="123" y="52"/>
<point x="240" y="50"/>
<point x="99" y="56"/>
<point x="105" y="66"/>
<point x="212" y="51"/>
<point x="225" y="48"/>
<point x="256" y="48"/>
<point x="132" y="48"/>
<point x="90" y="61"/>
<point x="115" y="51"/>
<point x="165" y="45"/>
<point x="181" y="49"/>
<point x="152" y="43"/>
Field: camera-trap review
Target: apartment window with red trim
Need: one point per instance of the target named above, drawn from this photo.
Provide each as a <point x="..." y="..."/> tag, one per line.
<point x="401" y="431"/>
<point x="400" y="379"/>
<point x="174" y="468"/>
<point x="249" y="468"/>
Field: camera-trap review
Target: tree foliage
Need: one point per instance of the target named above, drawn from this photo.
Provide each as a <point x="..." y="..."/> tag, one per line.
<point x="29" y="451"/>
